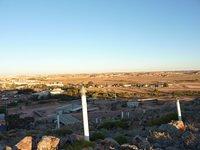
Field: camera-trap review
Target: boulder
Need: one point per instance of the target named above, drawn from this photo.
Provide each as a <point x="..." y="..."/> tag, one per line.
<point x="108" y="144"/>
<point x="128" y="147"/>
<point x="70" y="139"/>
<point x="196" y="101"/>
<point x="141" y="143"/>
<point x="48" y="143"/>
<point x="8" y="148"/>
<point x="175" y="128"/>
<point x="179" y="125"/>
<point x="189" y="139"/>
<point x="25" y="144"/>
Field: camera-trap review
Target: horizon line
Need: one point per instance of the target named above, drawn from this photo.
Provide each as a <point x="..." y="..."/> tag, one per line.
<point x="98" y="72"/>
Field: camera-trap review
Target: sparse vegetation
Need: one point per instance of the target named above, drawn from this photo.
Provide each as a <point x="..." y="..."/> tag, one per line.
<point x="96" y="136"/>
<point x="60" y="132"/>
<point x="113" y="124"/>
<point x="121" y="139"/>
<point x="163" y="120"/>
<point x="78" y="145"/>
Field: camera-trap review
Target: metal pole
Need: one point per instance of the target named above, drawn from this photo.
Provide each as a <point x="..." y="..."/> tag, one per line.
<point x="122" y="115"/>
<point x="96" y="120"/>
<point x="128" y="115"/>
<point x="178" y="110"/>
<point x="58" y="121"/>
<point x="85" y="114"/>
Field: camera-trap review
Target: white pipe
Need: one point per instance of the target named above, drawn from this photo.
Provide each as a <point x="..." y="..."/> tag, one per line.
<point x="85" y="114"/>
<point x="96" y="120"/>
<point x="178" y="110"/>
<point x="128" y="114"/>
<point x="58" y="121"/>
<point x="122" y="115"/>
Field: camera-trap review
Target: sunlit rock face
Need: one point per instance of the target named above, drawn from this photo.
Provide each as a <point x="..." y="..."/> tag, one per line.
<point x="25" y="143"/>
<point x="48" y="143"/>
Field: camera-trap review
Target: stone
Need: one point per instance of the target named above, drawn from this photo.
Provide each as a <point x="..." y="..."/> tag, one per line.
<point x="160" y="135"/>
<point x="179" y="125"/>
<point x="196" y="101"/>
<point x="171" y="129"/>
<point x="25" y="144"/>
<point x="188" y="138"/>
<point x="141" y="143"/>
<point x="128" y="147"/>
<point x="48" y="143"/>
<point x="8" y="148"/>
<point x="76" y="137"/>
<point x="108" y="144"/>
<point x="70" y="139"/>
<point x="171" y="148"/>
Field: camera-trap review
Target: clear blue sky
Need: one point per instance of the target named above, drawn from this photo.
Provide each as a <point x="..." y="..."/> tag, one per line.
<point x="73" y="36"/>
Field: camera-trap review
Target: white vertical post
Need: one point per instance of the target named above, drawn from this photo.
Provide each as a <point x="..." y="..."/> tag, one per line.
<point x="96" y="120"/>
<point x="128" y="115"/>
<point x="178" y="110"/>
<point x="85" y="114"/>
<point x="122" y="115"/>
<point x="58" y="121"/>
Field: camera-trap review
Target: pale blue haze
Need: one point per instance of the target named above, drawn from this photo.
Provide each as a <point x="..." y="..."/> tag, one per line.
<point x="80" y="36"/>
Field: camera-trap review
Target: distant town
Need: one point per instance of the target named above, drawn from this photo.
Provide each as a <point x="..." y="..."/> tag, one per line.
<point x="129" y="103"/>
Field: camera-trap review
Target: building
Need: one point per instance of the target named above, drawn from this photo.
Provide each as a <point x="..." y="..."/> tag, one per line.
<point x="41" y="95"/>
<point x="132" y="104"/>
<point x="67" y="119"/>
<point x="69" y="108"/>
<point x="57" y="91"/>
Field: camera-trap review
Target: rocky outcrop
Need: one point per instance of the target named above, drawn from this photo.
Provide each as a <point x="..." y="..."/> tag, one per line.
<point x="128" y="147"/>
<point x="48" y="143"/>
<point x="108" y="144"/>
<point x="175" y="128"/>
<point x="70" y="139"/>
<point x="141" y="143"/>
<point x="25" y="144"/>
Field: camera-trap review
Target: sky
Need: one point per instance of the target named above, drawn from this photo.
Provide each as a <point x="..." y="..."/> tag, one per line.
<point x="88" y="36"/>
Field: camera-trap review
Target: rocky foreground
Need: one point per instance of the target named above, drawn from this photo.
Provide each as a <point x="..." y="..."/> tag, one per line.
<point x="171" y="136"/>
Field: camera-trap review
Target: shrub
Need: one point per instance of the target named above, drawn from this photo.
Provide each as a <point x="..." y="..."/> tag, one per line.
<point x="113" y="124"/>
<point x="60" y="132"/>
<point x="79" y="145"/>
<point x="121" y="139"/>
<point x="2" y="110"/>
<point x="163" y="120"/>
<point x="96" y="136"/>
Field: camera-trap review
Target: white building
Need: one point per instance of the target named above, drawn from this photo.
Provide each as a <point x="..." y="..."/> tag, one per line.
<point x="57" y="91"/>
<point x="133" y="104"/>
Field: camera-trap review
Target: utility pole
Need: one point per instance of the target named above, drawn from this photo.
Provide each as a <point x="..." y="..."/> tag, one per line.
<point x="58" y="121"/>
<point x="178" y="110"/>
<point x="85" y="114"/>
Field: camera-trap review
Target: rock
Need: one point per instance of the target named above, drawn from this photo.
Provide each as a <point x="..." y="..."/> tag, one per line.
<point x="189" y="139"/>
<point x="25" y="144"/>
<point x="70" y="139"/>
<point x="174" y="128"/>
<point x="141" y="143"/>
<point x="160" y="135"/>
<point x="179" y="125"/>
<point x="196" y="101"/>
<point x="128" y="147"/>
<point x="76" y="137"/>
<point x="108" y="144"/>
<point x="171" y="148"/>
<point x="8" y="148"/>
<point x="48" y="143"/>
